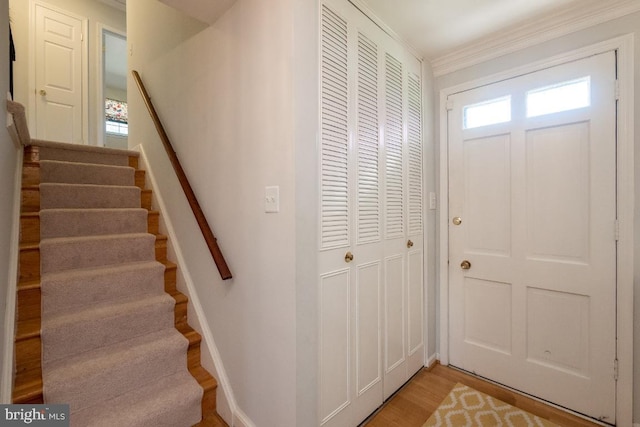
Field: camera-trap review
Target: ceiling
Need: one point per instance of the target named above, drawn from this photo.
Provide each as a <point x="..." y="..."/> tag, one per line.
<point x="437" y="27"/>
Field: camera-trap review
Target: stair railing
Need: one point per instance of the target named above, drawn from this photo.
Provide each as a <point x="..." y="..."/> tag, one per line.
<point x="210" y="239"/>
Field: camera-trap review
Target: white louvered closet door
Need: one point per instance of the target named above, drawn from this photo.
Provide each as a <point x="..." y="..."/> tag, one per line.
<point x="371" y="307"/>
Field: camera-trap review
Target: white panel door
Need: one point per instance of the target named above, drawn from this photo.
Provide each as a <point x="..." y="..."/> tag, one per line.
<point x="533" y="212"/>
<point x="58" y="75"/>
<point x="371" y="307"/>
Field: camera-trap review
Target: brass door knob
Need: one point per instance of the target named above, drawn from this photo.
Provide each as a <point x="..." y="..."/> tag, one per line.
<point x="457" y="220"/>
<point x="348" y="257"/>
<point x="43" y="92"/>
<point x="409" y="243"/>
<point x="465" y="265"/>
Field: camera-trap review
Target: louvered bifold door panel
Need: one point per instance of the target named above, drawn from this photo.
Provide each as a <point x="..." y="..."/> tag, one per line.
<point x="368" y="191"/>
<point x="394" y="160"/>
<point x="334" y="147"/>
<point x="414" y="140"/>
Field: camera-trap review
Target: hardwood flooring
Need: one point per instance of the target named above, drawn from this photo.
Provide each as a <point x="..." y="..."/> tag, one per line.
<point x="414" y="404"/>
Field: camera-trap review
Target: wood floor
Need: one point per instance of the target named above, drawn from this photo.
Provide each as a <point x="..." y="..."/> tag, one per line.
<point x="412" y="406"/>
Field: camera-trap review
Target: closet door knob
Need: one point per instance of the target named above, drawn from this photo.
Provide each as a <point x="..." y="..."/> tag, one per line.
<point x="409" y="243"/>
<point x="43" y="92"/>
<point x="348" y="257"/>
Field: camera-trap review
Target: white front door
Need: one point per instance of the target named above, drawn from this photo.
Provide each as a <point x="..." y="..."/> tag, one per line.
<point x="59" y="41"/>
<point x="532" y="259"/>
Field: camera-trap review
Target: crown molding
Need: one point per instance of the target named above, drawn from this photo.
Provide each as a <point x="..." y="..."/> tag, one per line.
<point x="118" y="4"/>
<point x="560" y="23"/>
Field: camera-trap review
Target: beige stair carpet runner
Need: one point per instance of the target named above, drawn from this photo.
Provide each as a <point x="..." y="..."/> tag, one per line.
<point x="109" y="346"/>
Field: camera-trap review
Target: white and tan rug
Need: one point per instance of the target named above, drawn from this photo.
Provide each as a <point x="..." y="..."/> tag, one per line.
<point x="466" y="407"/>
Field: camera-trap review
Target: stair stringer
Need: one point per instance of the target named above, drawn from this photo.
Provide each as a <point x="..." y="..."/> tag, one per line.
<point x="7" y="372"/>
<point x="210" y="359"/>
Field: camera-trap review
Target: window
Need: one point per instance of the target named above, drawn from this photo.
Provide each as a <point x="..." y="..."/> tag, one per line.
<point x="564" y="96"/>
<point x="487" y="113"/>
<point x="116" y="122"/>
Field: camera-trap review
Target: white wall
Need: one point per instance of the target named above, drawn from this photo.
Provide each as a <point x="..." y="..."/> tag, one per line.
<point x="429" y="167"/>
<point x="8" y="245"/>
<point x="625" y="25"/>
<point x="226" y="94"/>
<point x="306" y="115"/>
<point x="96" y="12"/>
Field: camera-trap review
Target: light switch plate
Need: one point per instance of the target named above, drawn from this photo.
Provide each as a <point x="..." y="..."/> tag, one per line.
<point x="432" y="200"/>
<point x="272" y="199"/>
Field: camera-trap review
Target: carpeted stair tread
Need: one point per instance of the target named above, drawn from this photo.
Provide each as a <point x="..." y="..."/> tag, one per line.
<point x="86" y="222"/>
<point x="54" y="195"/>
<point x="72" y="289"/>
<point x="108" y="372"/>
<point x="171" y="401"/>
<point x="66" y="253"/>
<point x="85" y="173"/>
<point x="64" y="335"/>
<point x="83" y="153"/>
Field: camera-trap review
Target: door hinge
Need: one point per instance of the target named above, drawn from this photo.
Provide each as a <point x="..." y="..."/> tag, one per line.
<point x="617" y="230"/>
<point x="449" y="104"/>
<point x="615" y="369"/>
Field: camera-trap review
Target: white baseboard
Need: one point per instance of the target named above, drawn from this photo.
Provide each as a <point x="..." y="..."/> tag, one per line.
<point x="229" y="405"/>
<point x="431" y="360"/>
<point x="240" y="419"/>
<point x="6" y="375"/>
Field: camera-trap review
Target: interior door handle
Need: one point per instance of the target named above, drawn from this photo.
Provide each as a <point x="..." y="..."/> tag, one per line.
<point x="465" y="265"/>
<point x="43" y="92"/>
<point x="348" y="257"/>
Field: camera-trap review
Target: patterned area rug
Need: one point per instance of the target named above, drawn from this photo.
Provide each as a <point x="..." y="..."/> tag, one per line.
<point x="466" y="407"/>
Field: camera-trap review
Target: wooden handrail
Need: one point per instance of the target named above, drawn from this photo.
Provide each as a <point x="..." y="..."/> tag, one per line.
<point x="216" y="253"/>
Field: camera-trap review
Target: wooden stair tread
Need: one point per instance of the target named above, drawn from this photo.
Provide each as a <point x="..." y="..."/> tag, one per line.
<point x="28" y="391"/>
<point x="168" y="264"/>
<point x="27" y="329"/>
<point x="29" y="246"/>
<point x="213" y="420"/>
<point x="191" y="334"/>
<point x="204" y="378"/>
<point x="179" y="297"/>
<point x="26" y="285"/>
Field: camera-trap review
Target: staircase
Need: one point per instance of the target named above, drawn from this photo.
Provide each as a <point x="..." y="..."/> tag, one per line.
<point x="100" y="324"/>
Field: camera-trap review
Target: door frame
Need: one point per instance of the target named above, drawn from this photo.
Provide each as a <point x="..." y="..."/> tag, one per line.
<point x="100" y="92"/>
<point x="624" y="46"/>
<point x="32" y="66"/>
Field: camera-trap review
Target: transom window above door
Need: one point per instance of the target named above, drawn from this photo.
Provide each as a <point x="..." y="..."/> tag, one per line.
<point x="556" y="98"/>
<point x="560" y="97"/>
<point x="487" y="113"/>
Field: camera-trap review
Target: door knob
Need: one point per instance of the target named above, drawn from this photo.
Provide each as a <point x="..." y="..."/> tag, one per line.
<point x="465" y="265"/>
<point x="409" y="243"/>
<point x="348" y="257"/>
<point x="457" y="220"/>
<point x="43" y="92"/>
